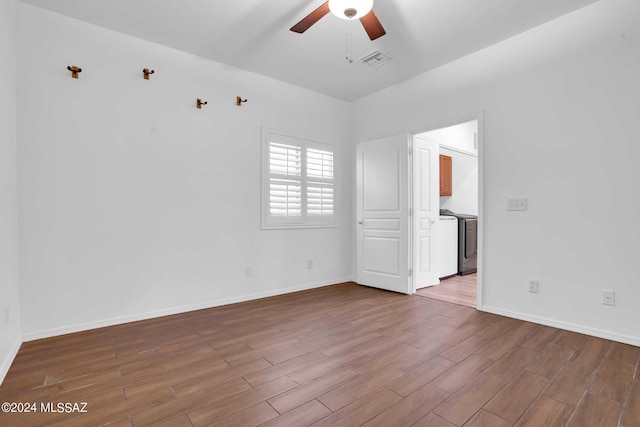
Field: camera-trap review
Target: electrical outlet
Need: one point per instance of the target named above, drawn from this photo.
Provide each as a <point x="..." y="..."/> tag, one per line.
<point x="608" y="297"/>
<point x="517" y="204"/>
<point x="248" y="272"/>
<point x="533" y="286"/>
<point x="310" y="264"/>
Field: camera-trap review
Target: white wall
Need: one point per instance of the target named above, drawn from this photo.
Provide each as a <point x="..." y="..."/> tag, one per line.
<point x="461" y="136"/>
<point x="10" y="338"/>
<point x="133" y="202"/>
<point x="561" y="127"/>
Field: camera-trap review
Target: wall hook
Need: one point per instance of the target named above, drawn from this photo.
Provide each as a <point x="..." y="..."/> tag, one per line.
<point x="200" y="103"/>
<point x="239" y="101"/>
<point x="147" y="72"/>
<point x="74" y="70"/>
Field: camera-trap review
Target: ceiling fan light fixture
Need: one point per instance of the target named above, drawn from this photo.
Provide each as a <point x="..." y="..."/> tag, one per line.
<point x="350" y="9"/>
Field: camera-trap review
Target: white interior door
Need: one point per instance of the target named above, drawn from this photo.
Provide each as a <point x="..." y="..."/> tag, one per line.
<point x="426" y="212"/>
<point x="382" y="168"/>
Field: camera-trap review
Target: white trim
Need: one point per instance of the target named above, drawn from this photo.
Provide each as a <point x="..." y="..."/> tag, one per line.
<point x="31" y="336"/>
<point x="481" y="248"/>
<point x="8" y="360"/>
<point x="458" y="150"/>
<point x="635" y="341"/>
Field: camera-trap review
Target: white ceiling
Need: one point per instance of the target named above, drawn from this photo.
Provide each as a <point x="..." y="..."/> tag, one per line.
<point x="254" y="34"/>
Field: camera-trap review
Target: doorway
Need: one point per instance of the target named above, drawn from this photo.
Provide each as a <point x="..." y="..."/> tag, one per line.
<point x="397" y="208"/>
<point x="459" y="203"/>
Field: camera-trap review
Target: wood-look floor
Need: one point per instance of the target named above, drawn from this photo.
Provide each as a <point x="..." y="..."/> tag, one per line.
<point x="342" y="355"/>
<point x="455" y="289"/>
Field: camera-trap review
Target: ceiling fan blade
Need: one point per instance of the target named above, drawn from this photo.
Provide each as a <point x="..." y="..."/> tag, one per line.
<point x="372" y="25"/>
<point x="311" y="19"/>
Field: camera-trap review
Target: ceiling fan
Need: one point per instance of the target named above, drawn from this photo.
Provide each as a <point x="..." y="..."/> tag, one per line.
<point x="345" y="9"/>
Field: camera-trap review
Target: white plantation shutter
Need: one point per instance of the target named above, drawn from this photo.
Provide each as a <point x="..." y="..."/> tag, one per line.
<point x="319" y="182"/>
<point x="298" y="182"/>
<point x="320" y="164"/>
<point x="285" y="159"/>
<point x="319" y="199"/>
<point x="285" y="180"/>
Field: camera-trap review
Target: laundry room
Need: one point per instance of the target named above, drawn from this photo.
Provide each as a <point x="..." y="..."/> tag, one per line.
<point x="458" y="221"/>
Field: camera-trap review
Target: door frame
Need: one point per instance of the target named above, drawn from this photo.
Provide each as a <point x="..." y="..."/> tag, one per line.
<point x="479" y="116"/>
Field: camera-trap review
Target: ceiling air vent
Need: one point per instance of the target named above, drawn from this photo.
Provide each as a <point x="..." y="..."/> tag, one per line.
<point x="375" y="59"/>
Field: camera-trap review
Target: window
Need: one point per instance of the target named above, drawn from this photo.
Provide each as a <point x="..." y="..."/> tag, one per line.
<point x="298" y="182"/>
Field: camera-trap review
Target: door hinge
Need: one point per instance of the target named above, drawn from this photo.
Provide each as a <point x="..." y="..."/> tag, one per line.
<point x="410" y="272"/>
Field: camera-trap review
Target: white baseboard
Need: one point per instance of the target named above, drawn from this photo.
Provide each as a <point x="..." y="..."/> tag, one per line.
<point x="626" y="339"/>
<point x="31" y="336"/>
<point x="8" y="360"/>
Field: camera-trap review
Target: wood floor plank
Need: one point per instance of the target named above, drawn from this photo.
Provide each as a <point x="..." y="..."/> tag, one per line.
<point x="499" y="327"/>
<point x="410" y="409"/>
<point x="513" y="400"/>
<point x="631" y="414"/>
<point x="181" y="421"/>
<point x="568" y="339"/>
<point x="312" y="390"/>
<point x="301" y="416"/>
<point x="377" y="360"/>
<point x="506" y="342"/>
<point x="330" y="364"/>
<point x="358" y="387"/>
<point x="546" y="412"/>
<point x="418" y="357"/>
<point x="549" y="361"/>
<point x="613" y="380"/>
<point x="208" y="396"/>
<point x="464" y="403"/>
<point x="509" y="365"/>
<point x="466" y="348"/>
<point x="433" y="420"/>
<point x="417" y="378"/>
<point x="202" y="379"/>
<point x="462" y="373"/>
<point x="249" y="417"/>
<point x="569" y="385"/>
<point x="591" y="352"/>
<point x="542" y="336"/>
<point x="487" y="419"/>
<point x="361" y="410"/>
<point x="209" y="414"/>
<point x="596" y="411"/>
<point x="455" y="289"/>
<point x="281" y="369"/>
<point x="624" y="353"/>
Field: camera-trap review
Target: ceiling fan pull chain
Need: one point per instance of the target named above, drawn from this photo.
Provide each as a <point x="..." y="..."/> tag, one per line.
<point x="348" y="55"/>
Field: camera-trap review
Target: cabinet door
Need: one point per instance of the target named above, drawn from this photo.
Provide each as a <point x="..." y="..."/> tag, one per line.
<point x="445" y="175"/>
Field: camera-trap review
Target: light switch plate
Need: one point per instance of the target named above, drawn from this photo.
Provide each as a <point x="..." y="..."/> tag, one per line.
<point x="517" y="204"/>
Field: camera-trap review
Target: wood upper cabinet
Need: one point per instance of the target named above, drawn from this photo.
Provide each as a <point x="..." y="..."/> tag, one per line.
<point x="446" y="175"/>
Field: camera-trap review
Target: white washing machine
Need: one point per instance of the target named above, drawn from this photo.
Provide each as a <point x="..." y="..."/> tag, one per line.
<point x="449" y="253"/>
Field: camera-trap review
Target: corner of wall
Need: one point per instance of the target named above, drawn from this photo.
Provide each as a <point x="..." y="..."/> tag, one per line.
<point x="9" y="357"/>
<point x="10" y="328"/>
